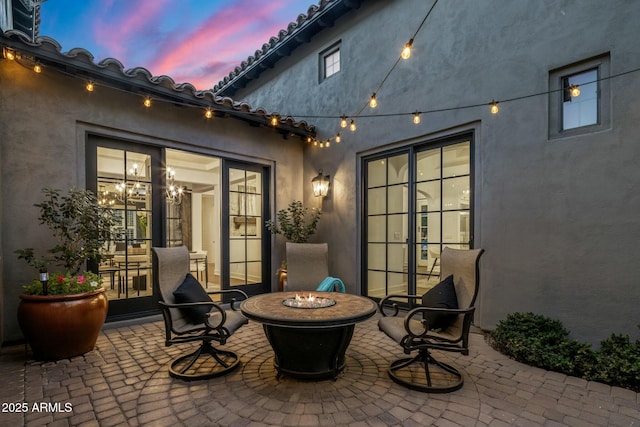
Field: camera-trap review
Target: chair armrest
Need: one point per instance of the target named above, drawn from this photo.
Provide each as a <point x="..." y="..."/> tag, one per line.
<point x="213" y="305"/>
<point x="239" y="292"/>
<point x="388" y="299"/>
<point x="417" y="314"/>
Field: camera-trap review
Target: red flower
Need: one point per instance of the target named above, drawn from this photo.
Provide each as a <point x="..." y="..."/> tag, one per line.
<point x="81" y="279"/>
<point x="60" y="279"/>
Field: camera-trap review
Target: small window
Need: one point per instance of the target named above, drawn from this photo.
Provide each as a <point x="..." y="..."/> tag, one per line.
<point x="589" y="111"/>
<point x="329" y="62"/>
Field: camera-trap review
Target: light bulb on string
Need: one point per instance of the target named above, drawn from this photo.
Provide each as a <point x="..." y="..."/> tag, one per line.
<point x="315" y="142"/>
<point x="321" y="144"/>
<point x="406" y="51"/>
<point x="90" y="87"/>
<point x="494" y="107"/>
<point x="275" y="120"/>
<point x="308" y="140"/>
<point x="343" y="121"/>
<point x="352" y="126"/>
<point x="416" y="118"/>
<point x="338" y="138"/>
<point x="147" y="102"/>
<point x="575" y="91"/>
<point x="328" y="143"/>
<point x="373" y="103"/>
<point x="208" y="113"/>
<point x="37" y="68"/>
<point x="9" y="54"/>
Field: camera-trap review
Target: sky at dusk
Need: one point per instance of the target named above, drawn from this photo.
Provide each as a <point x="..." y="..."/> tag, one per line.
<point x="195" y="41"/>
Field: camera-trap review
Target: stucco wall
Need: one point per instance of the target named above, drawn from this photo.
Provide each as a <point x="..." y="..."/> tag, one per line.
<point x="43" y="119"/>
<point x="557" y="218"/>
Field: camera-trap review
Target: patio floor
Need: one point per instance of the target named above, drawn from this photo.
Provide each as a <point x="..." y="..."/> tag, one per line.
<point x="124" y="381"/>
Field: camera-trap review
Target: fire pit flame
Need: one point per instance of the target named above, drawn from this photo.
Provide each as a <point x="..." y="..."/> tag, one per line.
<point x="308" y="301"/>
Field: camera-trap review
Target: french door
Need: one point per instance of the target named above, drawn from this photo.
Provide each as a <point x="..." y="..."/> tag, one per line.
<point x="245" y="200"/>
<point x="167" y="197"/>
<point x="417" y="201"/>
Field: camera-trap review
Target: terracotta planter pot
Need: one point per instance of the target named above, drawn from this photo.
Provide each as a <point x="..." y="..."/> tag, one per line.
<point x="62" y="326"/>
<point x="281" y="278"/>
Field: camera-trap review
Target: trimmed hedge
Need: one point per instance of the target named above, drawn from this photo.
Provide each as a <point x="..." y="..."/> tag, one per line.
<point x="543" y="342"/>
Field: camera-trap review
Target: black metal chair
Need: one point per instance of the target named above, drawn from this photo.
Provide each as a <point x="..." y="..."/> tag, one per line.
<point x="412" y="331"/>
<point x="171" y="268"/>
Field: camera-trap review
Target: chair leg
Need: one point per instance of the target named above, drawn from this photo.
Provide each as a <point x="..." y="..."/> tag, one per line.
<point x="424" y="373"/>
<point x="221" y="363"/>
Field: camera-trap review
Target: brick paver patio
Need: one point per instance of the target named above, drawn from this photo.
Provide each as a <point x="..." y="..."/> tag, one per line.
<point x="125" y="382"/>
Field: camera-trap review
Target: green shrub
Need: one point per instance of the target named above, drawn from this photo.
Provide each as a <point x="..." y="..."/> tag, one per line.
<point x="543" y="342"/>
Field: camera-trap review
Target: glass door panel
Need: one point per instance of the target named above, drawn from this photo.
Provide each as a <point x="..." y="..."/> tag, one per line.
<point x="245" y="193"/>
<point x="387" y="225"/>
<point x="124" y="184"/>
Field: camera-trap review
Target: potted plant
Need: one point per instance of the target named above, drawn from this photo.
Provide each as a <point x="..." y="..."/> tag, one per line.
<point x="296" y="223"/>
<point x="61" y="314"/>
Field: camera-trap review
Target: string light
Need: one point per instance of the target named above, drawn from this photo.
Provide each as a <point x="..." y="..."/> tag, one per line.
<point x="406" y="52"/>
<point x="575" y="91"/>
<point x="9" y="54"/>
<point x="90" y="86"/>
<point x="328" y="143"/>
<point x="147" y="102"/>
<point x="315" y="142"/>
<point x="416" y="118"/>
<point x="275" y="120"/>
<point x="338" y="138"/>
<point x="373" y="103"/>
<point x="343" y="121"/>
<point x="494" y="107"/>
<point x="208" y="113"/>
<point x="37" y="68"/>
<point x="352" y="126"/>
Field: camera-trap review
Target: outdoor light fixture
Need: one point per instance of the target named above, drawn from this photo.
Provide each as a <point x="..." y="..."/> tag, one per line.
<point x="352" y="126"/>
<point x="275" y="120"/>
<point x="147" y="102"/>
<point x="37" y="68"/>
<point x="416" y="118"/>
<point x="320" y="184"/>
<point x="90" y="87"/>
<point x="343" y="121"/>
<point x="208" y="113"/>
<point x="494" y="107"/>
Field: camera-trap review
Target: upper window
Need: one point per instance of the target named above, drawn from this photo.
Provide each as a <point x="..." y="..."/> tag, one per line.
<point x="579" y="98"/>
<point x="330" y="62"/>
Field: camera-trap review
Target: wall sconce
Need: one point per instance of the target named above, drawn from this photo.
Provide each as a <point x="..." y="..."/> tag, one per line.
<point x="320" y="184"/>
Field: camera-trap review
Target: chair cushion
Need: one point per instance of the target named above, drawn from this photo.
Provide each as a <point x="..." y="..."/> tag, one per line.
<point x="443" y="295"/>
<point x="190" y="290"/>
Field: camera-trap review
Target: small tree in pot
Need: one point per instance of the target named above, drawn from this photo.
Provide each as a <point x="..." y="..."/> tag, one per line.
<point x="61" y="314"/>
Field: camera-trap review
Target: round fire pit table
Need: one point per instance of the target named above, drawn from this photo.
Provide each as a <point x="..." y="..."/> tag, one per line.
<point x="308" y="342"/>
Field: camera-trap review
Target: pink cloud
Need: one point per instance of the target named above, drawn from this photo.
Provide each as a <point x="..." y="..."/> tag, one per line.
<point x="136" y="18"/>
<point x="230" y="32"/>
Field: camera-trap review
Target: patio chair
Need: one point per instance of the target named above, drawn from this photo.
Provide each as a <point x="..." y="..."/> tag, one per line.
<point x="307" y="265"/>
<point x="438" y="320"/>
<point x="191" y="316"/>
